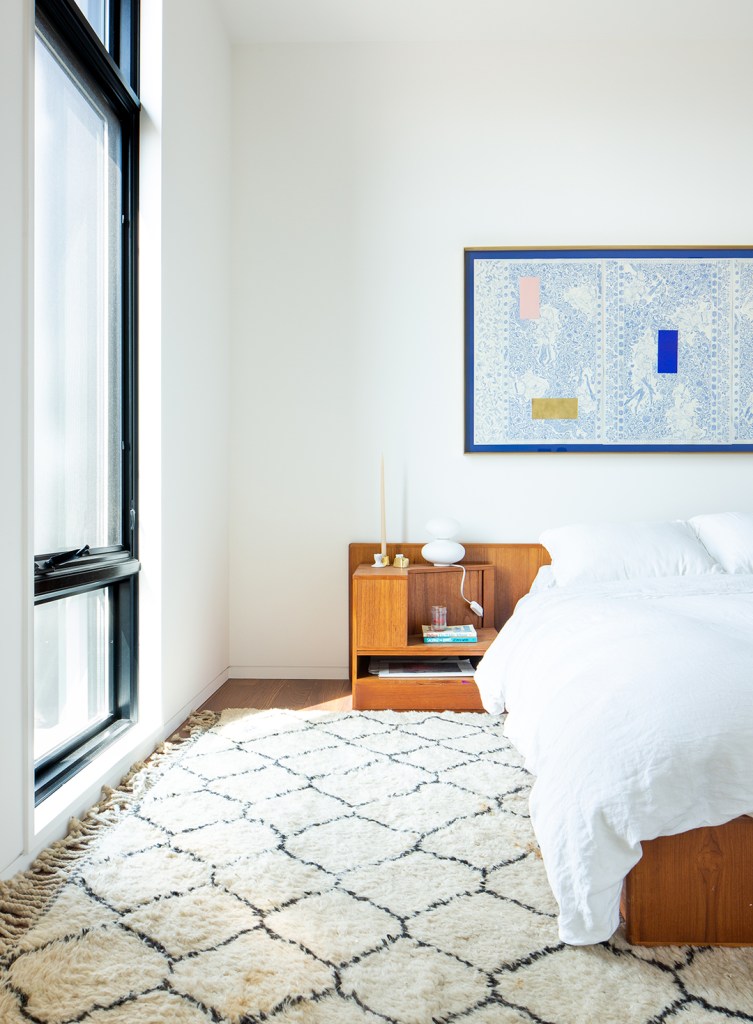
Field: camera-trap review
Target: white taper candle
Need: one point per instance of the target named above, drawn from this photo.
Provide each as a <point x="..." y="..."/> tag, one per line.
<point x="381" y="506"/>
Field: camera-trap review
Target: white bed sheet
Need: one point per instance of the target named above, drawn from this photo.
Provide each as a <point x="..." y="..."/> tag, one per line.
<point x="632" y="703"/>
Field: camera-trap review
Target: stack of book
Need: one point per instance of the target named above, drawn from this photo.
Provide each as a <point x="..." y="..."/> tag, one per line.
<point x="450" y="635"/>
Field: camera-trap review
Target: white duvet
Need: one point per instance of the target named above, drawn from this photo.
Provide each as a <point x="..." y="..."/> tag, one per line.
<point x="632" y="704"/>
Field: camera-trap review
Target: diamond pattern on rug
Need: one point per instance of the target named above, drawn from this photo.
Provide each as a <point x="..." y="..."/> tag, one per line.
<point x="158" y="1007"/>
<point x="720" y="978"/>
<point x="414" y="984"/>
<point x="337" y="845"/>
<point x="413" y="812"/>
<point x="127" y="882"/>
<point x="272" y="879"/>
<point x="200" y="809"/>
<point x="524" y="882"/>
<point x="400" y="885"/>
<point x="250" y="975"/>
<point x="193" y="922"/>
<point x="296" y="811"/>
<point x="509" y="935"/>
<point x="353" y="868"/>
<point x="268" y="781"/>
<point x="220" y="842"/>
<point x="378" y="780"/>
<point x="113" y="959"/>
<point x="479" y="841"/>
<point x="610" y="988"/>
<point x="335" y="926"/>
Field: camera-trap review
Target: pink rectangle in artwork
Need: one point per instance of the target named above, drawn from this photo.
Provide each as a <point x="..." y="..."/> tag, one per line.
<point x="529" y="298"/>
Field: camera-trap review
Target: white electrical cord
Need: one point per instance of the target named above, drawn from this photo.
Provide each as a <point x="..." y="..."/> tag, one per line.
<point x="474" y="605"/>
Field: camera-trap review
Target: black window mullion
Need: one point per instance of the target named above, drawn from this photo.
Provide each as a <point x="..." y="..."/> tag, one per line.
<point x="129" y="347"/>
<point x="124" y="40"/>
<point x="113" y="34"/>
<point x="125" y="633"/>
<point x="52" y="772"/>
<point x="112" y="661"/>
<point x="68" y="21"/>
<point x="65" y="583"/>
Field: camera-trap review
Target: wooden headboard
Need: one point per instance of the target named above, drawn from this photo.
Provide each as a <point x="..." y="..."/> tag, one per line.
<point x="515" y="566"/>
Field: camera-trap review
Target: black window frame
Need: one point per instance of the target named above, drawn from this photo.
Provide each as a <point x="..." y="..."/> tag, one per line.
<point x="114" y="67"/>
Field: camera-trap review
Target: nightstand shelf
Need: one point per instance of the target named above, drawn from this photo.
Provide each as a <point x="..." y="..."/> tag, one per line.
<point x="416" y="648"/>
<point x="388" y="608"/>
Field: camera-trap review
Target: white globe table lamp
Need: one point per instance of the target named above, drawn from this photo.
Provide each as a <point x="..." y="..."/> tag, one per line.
<point x="443" y="550"/>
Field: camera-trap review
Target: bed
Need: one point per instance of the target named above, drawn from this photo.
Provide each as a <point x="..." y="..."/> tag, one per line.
<point x="627" y="676"/>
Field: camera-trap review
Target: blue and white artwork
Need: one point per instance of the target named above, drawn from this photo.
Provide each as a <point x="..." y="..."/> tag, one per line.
<point x="607" y="349"/>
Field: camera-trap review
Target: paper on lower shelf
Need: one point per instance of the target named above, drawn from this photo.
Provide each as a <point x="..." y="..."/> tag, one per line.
<point x="420" y="667"/>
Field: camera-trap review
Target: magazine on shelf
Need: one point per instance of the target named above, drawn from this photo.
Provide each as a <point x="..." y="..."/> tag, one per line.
<point x="451" y="635"/>
<point x="417" y="667"/>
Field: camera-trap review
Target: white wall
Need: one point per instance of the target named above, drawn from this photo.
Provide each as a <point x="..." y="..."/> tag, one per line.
<point x="16" y="576"/>
<point x="190" y="428"/>
<point x="360" y="174"/>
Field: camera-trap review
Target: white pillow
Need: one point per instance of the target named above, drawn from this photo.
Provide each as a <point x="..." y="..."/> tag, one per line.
<point x="728" y="537"/>
<point x="597" y="553"/>
<point x="544" y="580"/>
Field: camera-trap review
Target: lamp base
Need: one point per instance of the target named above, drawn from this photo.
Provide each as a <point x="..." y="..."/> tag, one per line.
<point x="443" y="553"/>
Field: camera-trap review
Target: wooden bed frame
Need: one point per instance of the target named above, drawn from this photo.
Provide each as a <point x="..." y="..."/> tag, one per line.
<point x="695" y="888"/>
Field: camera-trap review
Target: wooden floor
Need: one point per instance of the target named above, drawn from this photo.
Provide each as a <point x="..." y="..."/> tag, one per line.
<point x="297" y="694"/>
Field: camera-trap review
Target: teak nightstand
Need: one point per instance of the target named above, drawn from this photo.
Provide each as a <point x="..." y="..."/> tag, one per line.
<point x="388" y="608"/>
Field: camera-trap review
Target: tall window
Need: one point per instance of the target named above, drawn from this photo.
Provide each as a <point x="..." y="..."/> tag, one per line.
<point x="85" y="192"/>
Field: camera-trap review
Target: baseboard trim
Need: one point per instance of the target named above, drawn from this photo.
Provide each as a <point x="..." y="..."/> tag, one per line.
<point x="287" y="672"/>
<point x="197" y="701"/>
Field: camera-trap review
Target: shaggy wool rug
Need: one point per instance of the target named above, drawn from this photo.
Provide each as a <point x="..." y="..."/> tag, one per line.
<point x="328" y="869"/>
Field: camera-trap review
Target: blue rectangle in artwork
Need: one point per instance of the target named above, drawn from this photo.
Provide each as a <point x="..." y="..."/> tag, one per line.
<point x="667" y="352"/>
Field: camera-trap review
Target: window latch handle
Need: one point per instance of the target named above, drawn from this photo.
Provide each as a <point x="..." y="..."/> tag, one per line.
<point x="54" y="561"/>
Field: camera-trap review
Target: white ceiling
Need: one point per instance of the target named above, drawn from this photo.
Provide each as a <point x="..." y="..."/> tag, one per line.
<point x="527" y="21"/>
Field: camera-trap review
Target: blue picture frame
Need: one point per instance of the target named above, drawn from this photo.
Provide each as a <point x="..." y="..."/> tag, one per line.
<point x="609" y="349"/>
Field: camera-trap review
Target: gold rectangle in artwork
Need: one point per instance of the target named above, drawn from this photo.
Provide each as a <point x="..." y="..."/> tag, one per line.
<point x="554" y="408"/>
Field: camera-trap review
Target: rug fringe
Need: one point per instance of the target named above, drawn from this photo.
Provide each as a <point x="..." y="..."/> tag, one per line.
<point x="24" y="897"/>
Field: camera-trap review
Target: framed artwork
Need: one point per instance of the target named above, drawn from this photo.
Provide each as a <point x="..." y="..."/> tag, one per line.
<point x="609" y="349"/>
